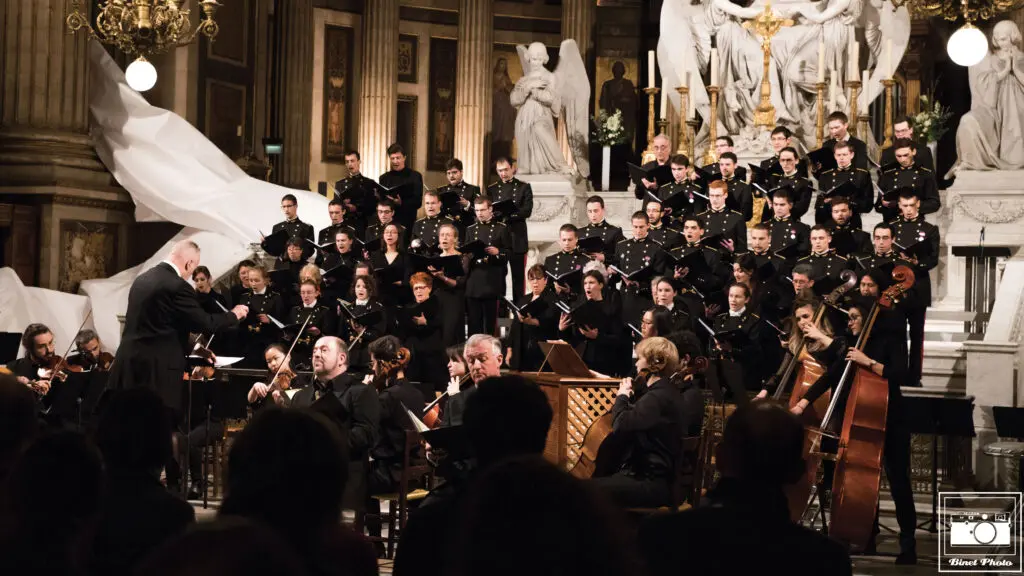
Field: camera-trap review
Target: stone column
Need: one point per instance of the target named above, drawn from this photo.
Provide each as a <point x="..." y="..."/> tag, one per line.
<point x="378" y="95"/>
<point x="294" y="102"/>
<point x="473" y="88"/>
<point x="578" y="24"/>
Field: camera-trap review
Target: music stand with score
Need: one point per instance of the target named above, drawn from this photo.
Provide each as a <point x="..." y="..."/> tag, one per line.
<point x="564" y="359"/>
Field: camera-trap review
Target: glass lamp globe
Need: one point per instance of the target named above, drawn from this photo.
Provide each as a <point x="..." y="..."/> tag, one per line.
<point x="967" y="46"/>
<point x="141" y="75"/>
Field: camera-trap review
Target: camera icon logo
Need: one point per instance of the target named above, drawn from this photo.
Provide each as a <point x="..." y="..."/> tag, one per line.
<point x="979" y="529"/>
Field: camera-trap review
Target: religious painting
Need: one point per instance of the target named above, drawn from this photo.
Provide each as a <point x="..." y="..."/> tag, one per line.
<point x="441" y="129"/>
<point x="337" y="128"/>
<point x="406" y="127"/>
<point x="506" y="70"/>
<point x="616" y="81"/>
<point x="407" y="54"/>
<point x="87" y="250"/>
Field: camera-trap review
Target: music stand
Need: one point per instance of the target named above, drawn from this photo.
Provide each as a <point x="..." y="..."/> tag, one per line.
<point x="949" y="417"/>
<point x="92" y="394"/>
<point x="563" y="359"/>
<point x="64" y="398"/>
<point x="1010" y="424"/>
<point x="220" y="399"/>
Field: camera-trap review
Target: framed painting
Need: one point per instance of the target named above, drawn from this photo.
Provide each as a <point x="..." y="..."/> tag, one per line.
<point x="441" y="125"/>
<point x="407" y="55"/>
<point x="87" y="250"/>
<point x="337" y="127"/>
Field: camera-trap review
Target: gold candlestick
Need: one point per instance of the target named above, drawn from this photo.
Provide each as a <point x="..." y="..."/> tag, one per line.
<point x="888" y="112"/>
<point x="684" y="106"/>
<point x="766" y="25"/>
<point x="662" y="125"/>
<point x="854" y="87"/>
<point x="648" y="155"/>
<point x="711" y="156"/>
<point x="691" y="142"/>
<point x="820" y="133"/>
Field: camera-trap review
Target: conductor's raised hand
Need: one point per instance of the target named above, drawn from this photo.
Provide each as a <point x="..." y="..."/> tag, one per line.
<point x="240" y="311"/>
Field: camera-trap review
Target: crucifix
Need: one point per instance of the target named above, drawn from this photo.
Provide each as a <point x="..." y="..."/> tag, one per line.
<point x="766" y="25"/>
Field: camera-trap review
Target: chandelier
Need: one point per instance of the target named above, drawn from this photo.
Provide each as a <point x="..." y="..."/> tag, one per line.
<point x="972" y="12"/>
<point x="144" y="28"/>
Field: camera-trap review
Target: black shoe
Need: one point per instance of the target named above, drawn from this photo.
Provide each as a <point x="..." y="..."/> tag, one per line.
<point x="906" y="557"/>
<point x="195" y="491"/>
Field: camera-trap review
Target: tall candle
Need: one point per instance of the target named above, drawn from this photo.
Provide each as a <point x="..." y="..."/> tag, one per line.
<point x="650" y="68"/>
<point x="854" y="69"/>
<point x="889" y="71"/>
<point x="664" y="100"/>
<point x="686" y="79"/>
<point x="691" y="106"/>
<point x="714" y="66"/>
<point x="821" y="60"/>
<point x="832" y="89"/>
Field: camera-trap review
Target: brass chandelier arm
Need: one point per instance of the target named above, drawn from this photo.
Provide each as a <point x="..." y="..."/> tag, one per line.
<point x="144" y="27"/>
<point x="975" y="11"/>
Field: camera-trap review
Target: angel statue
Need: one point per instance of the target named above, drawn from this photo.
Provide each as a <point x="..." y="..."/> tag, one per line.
<point x="541" y="97"/>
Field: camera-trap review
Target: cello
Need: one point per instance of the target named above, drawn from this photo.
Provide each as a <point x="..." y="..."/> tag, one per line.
<point x="859" y="459"/>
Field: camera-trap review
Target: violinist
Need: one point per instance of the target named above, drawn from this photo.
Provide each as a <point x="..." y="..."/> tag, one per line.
<point x="90" y="354"/>
<point x="884" y="356"/>
<point x="522" y="351"/>
<point x="482" y="355"/>
<point x="29" y="369"/>
<point x="653" y="424"/>
<point x="279" y="364"/>
<point x="358" y="336"/>
<point x="460" y="387"/>
<point x="322" y="320"/>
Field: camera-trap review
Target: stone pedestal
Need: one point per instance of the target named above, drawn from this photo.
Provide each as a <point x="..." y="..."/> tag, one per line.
<point x="473" y="87"/>
<point x="557" y="200"/>
<point x="378" y="95"/>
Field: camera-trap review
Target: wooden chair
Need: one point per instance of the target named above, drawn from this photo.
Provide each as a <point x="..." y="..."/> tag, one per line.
<point x="398" y="502"/>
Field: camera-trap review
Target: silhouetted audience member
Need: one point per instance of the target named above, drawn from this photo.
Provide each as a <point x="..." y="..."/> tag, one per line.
<point x="225" y="547"/>
<point x="138" y="512"/>
<point x="52" y="507"/>
<point x="746" y="529"/>
<point x="18" y="422"/>
<point x="525" y="516"/>
<point x="288" y="469"/>
<point x="507" y="416"/>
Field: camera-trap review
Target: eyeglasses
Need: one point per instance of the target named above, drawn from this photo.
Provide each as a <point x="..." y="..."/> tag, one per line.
<point x="287" y="205"/>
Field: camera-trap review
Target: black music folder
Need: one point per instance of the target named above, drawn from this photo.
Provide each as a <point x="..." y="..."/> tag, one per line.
<point x="661" y="174"/>
<point x="275" y="243"/>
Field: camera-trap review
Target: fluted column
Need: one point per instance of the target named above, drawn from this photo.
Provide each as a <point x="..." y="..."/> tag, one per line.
<point x="44" y="102"/>
<point x="378" y="97"/>
<point x="473" y="87"/>
<point x="578" y="24"/>
<point x="295" y="91"/>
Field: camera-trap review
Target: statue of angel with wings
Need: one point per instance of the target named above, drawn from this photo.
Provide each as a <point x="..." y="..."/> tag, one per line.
<point x="542" y="96"/>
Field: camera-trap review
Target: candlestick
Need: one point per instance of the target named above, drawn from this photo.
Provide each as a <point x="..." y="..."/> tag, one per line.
<point x="854" y="87"/>
<point x="691" y="124"/>
<point x="662" y="125"/>
<point x="821" y="60"/>
<point x="820" y="133"/>
<point x="650" y="68"/>
<point x="714" y="66"/>
<point x="648" y="155"/>
<point x="711" y="155"/>
<point x="888" y="84"/>
<point x="889" y="71"/>
<point x="684" y="104"/>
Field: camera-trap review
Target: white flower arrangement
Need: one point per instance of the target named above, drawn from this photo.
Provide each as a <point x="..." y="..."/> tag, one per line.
<point x="930" y="122"/>
<point x="609" y="130"/>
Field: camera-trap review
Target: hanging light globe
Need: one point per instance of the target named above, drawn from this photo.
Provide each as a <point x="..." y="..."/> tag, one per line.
<point x="967" y="46"/>
<point x="141" y="75"/>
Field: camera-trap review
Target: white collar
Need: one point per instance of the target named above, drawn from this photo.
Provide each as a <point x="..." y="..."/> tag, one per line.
<point x="362" y="302"/>
<point x="738" y="313"/>
<point x="263" y="291"/>
<point x="173" y="265"/>
<point x="313" y="305"/>
<point x="670" y="306"/>
<point x="789" y="174"/>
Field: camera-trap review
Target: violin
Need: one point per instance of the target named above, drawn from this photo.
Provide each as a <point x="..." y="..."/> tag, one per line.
<point x="432" y="413"/>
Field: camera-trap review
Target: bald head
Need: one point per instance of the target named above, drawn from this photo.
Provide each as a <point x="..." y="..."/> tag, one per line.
<point x="762" y="443"/>
<point x="330" y="358"/>
<point x="185" y="255"/>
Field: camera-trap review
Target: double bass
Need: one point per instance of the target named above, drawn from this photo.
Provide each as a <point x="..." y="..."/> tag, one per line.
<point x="859" y="459"/>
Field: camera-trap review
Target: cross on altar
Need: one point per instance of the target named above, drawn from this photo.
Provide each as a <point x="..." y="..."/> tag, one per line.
<point x="766" y="25"/>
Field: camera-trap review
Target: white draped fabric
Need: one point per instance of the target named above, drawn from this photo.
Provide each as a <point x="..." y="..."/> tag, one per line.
<point x="172" y="173"/>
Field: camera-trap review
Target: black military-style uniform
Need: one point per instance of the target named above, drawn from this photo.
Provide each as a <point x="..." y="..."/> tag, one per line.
<point x="801" y="165"/>
<point x="361" y="189"/>
<point x="740" y="173"/>
<point x="485" y="284"/>
<point x="300" y="229"/>
<point x="729" y="223"/>
<point x="915" y="176"/>
<point x="858" y="239"/>
<point x="412" y="199"/>
<point x="740" y="369"/>
<point x="377" y="231"/>
<point x="327" y="235"/>
<point x="426" y="229"/>
<point x="462" y="217"/>
<point x="739" y="198"/>
<point x="639" y="190"/>
<point x="695" y="205"/>
<point x="786" y="231"/>
<point x="564" y="263"/>
<point x="774" y="292"/>
<point x="923" y="157"/>
<point x="860" y="204"/>
<point x="710" y="285"/>
<point x="802" y="189"/>
<point x="290" y="292"/>
<point x="610" y="235"/>
<point x="667" y="237"/>
<point x="340" y="289"/>
<point x="905" y="233"/>
<point x="632" y="255"/>
<point x="255" y="335"/>
<point x="320" y="317"/>
<point x="860" y="150"/>
<point x="827" y="264"/>
<point x="521" y="194"/>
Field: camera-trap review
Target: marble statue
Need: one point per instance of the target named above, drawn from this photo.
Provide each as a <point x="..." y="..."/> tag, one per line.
<point x="991" y="135"/>
<point x="541" y="97"/>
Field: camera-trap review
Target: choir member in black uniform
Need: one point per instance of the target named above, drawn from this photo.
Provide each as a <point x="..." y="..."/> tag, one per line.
<point x="385" y="215"/>
<point x="639" y="253"/>
<point x="243" y="281"/>
<point x="292" y="225"/>
<point x="336" y="212"/>
<point x="342" y="255"/>
<point x="566" y="261"/>
<point x="823" y="259"/>
<point x="740" y="365"/>
<point x="207" y="296"/>
<point x="838" y="130"/>
<point x="451" y="292"/>
<point x="322" y="320"/>
<point x="724" y="145"/>
<point x="791" y="176"/>
<point x="422" y="327"/>
<point x="782" y="138"/>
<point x="522" y="353"/>
<point x="652" y="417"/>
<point x="666" y="237"/>
<point x="425" y="229"/>
<point x="716" y="276"/>
<point x="773" y="268"/>
<point x="846" y="238"/>
<point x="277" y="363"/>
<point x="903" y="129"/>
<point x="602" y="342"/>
<point x="764" y="293"/>
<point x="457" y="196"/>
<point x="720" y="220"/>
<point x="485" y="284"/>
<point x="907" y="174"/>
<point x="740" y="198"/>
<point x="662" y="147"/>
<point x="508" y="187"/>
<point x="918" y="243"/>
<point x="883" y="356"/>
<point x="389" y="266"/>
<point x="357" y="335"/>
<point x="38" y="343"/>
<point x="683" y="309"/>
<point x="358" y="194"/>
<point x="847" y="171"/>
<point x="408" y="202"/>
<point x="598" y="226"/>
<point x="292" y="262"/>
<point x="256" y="330"/>
<point x="682" y="183"/>
<point x="789" y="237"/>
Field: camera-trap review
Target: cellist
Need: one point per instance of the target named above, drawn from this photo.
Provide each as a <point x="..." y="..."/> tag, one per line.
<point x="886" y="357"/>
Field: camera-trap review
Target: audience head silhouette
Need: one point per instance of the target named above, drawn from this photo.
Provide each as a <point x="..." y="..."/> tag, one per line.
<point x="507" y="416"/>
<point x="134" y="433"/>
<point x="18" y="422"/>
<point x="762" y="444"/>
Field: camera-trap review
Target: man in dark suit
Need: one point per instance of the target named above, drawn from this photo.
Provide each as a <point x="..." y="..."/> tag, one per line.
<point x="903" y="129"/>
<point x="162" y="311"/>
<point x="760" y="454"/>
<point x="508" y="187"/>
<point x="838" y="130"/>
<point x="408" y="198"/>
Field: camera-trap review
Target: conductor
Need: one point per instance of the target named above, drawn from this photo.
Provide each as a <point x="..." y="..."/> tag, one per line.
<point x="162" y="310"/>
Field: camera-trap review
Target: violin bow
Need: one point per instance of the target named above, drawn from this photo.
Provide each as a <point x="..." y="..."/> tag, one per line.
<point x="64" y="359"/>
<point x="292" y="347"/>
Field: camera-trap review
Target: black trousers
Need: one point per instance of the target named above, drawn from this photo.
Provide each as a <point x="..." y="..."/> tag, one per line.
<point x="896" y="459"/>
<point x="915" y="357"/>
<point x="517" y="265"/>
<point x="197" y="441"/>
<point x="483" y="315"/>
<point x="631" y="491"/>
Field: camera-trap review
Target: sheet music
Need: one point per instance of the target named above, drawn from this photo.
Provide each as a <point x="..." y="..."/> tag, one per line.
<point x="223" y="361"/>
<point x="275" y="321"/>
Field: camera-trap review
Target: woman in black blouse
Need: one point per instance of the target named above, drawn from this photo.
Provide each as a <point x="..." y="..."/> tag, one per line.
<point x="389" y="267"/>
<point x="524" y="353"/>
<point x="604" y="348"/>
<point x="451" y="292"/>
<point x="359" y="335"/>
<point x="422" y="329"/>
